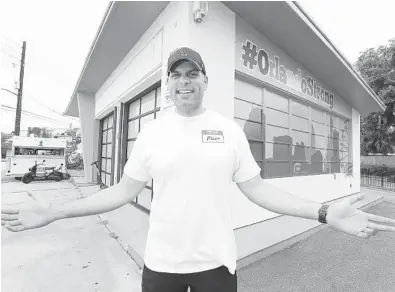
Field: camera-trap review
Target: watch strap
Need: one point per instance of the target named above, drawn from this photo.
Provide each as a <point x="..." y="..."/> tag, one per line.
<point x="322" y="212"/>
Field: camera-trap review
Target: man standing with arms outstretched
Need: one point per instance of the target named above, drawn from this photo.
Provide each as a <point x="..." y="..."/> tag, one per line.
<point x="193" y="155"/>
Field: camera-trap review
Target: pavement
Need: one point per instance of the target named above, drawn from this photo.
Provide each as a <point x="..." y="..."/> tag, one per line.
<point x="329" y="261"/>
<point x="78" y="254"/>
<point x="87" y="254"/>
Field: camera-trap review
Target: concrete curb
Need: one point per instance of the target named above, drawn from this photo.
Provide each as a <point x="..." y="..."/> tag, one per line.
<point x="78" y="185"/>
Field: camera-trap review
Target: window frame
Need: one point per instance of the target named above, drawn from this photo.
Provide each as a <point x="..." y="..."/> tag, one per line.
<point x="113" y="113"/>
<point x="125" y="127"/>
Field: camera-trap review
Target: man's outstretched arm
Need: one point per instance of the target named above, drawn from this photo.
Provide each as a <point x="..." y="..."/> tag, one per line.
<point x="103" y="201"/>
<point x="276" y="200"/>
<point x="341" y="215"/>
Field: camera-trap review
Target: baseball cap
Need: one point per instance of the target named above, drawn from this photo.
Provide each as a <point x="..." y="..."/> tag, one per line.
<point x="185" y="53"/>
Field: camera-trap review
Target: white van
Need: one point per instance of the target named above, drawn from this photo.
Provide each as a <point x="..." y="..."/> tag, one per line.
<point x="28" y="150"/>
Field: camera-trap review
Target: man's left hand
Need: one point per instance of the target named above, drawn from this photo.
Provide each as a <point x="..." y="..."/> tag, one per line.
<point x="347" y="218"/>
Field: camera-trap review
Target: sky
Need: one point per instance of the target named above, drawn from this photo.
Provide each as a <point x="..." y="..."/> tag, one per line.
<point x="59" y="35"/>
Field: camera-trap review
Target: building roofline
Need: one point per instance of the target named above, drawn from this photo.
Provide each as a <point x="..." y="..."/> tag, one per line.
<point x="110" y="7"/>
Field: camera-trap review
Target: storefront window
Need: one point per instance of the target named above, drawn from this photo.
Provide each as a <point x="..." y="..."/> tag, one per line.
<point x="249" y="116"/>
<point x="301" y="141"/>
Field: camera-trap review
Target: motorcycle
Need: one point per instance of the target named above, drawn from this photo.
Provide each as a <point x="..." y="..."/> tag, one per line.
<point x="42" y="172"/>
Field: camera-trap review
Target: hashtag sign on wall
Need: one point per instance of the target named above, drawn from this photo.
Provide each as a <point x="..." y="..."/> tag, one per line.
<point x="249" y="55"/>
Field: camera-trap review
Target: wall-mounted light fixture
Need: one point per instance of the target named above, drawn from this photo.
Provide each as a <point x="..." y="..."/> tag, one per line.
<point x="199" y="10"/>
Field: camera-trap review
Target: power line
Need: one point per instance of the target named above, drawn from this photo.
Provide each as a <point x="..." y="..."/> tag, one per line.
<point x="33" y="114"/>
<point x="12" y="56"/>
<point x="9" y="108"/>
<point x="11" y="40"/>
<point x="38" y="117"/>
<point x="36" y="101"/>
<point x="12" y="48"/>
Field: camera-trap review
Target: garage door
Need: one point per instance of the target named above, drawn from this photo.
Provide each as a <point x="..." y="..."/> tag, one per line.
<point x="107" y="129"/>
<point x="139" y="112"/>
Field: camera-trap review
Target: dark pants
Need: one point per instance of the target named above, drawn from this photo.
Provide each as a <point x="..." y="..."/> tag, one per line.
<point x="216" y="280"/>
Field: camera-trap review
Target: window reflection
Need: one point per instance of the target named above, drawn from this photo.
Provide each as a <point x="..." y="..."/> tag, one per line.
<point x="251" y="129"/>
<point x="110" y="121"/>
<point x="316" y="146"/>
<point x="317" y="129"/>
<point x="301" y="168"/>
<point x="256" y="150"/>
<point x="277" y="134"/>
<point x="299" y="137"/>
<point x="277" y="151"/>
<point x="300" y="152"/>
<point x="318" y="141"/>
<point x="134" y="109"/>
<point x="248" y="92"/>
<point x="148" y="102"/>
<point x="248" y="111"/>
<point x="317" y="115"/>
<point x="276" y="169"/>
<point x="276" y="101"/>
<point x="133" y="128"/>
<point x="299" y="109"/>
<point x="300" y="124"/>
<point x="277" y="118"/>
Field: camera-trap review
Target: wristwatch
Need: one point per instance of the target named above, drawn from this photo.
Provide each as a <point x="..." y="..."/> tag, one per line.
<point x="322" y="212"/>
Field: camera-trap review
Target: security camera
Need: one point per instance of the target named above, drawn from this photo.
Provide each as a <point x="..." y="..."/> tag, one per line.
<point x="199" y="10"/>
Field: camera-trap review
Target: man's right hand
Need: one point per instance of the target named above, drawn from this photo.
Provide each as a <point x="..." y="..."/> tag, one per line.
<point x="37" y="215"/>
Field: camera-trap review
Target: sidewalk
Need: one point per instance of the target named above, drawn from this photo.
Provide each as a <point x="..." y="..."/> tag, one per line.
<point x="78" y="254"/>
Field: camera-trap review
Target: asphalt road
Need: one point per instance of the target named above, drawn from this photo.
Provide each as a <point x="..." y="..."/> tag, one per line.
<point x="329" y="261"/>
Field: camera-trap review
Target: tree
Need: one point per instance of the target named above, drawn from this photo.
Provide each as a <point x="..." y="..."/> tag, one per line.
<point x="5" y="144"/>
<point x="39" y="132"/>
<point x="377" y="67"/>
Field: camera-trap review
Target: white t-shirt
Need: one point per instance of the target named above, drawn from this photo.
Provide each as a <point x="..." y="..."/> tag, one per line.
<point x="192" y="161"/>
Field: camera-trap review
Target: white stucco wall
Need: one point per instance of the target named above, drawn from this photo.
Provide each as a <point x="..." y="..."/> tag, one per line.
<point x="134" y="68"/>
<point x="356" y="151"/>
<point x="86" y="105"/>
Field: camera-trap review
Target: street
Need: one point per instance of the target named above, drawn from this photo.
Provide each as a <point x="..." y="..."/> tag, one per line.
<point x="77" y="254"/>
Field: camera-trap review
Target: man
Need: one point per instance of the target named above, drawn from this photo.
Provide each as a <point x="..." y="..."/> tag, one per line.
<point x="193" y="155"/>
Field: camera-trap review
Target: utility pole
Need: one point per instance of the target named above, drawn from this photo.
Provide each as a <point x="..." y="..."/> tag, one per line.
<point x="19" y="103"/>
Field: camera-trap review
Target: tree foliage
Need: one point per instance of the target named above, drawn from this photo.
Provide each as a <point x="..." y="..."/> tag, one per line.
<point x="377" y="67"/>
<point x="39" y="132"/>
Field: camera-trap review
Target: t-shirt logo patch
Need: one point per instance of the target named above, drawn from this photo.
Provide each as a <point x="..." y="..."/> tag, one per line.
<point x="211" y="136"/>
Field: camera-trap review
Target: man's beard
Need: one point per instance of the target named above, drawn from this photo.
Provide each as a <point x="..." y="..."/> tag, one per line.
<point x="187" y="107"/>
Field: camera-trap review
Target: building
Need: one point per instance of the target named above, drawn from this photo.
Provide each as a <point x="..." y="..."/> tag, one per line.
<point x="269" y="67"/>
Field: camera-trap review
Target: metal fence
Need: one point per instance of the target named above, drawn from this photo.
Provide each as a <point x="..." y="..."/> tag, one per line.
<point x="386" y="182"/>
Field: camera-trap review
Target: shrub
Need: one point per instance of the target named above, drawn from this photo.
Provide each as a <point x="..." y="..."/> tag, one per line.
<point x="378" y="170"/>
